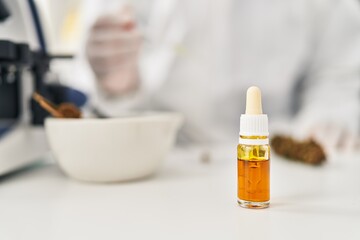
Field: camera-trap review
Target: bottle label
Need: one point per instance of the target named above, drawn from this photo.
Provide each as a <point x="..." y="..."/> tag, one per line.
<point x="246" y="141"/>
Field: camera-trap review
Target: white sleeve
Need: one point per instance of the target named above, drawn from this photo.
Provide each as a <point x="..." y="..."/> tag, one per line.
<point x="332" y="86"/>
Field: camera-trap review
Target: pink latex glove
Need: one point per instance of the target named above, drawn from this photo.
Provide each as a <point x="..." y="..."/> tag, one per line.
<point x="334" y="138"/>
<point x="112" y="50"/>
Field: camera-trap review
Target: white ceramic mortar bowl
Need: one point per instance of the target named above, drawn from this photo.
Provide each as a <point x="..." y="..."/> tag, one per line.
<point x="112" y="149"/>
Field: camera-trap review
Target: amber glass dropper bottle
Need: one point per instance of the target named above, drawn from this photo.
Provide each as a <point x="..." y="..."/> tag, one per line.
<point x="253" y="153"/>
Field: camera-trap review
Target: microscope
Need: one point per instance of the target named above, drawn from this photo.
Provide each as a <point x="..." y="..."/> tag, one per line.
<point x="24" y="69"/>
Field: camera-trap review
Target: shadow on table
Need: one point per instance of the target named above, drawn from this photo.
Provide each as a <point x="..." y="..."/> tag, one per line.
<point x="31" y="169"/>
<point x="19" y="172"/>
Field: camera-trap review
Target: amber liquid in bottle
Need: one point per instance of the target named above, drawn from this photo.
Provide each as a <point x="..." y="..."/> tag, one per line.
<point x="254" y="175"/>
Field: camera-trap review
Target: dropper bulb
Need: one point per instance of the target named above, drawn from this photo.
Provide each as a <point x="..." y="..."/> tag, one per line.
<point x="253" y="101"/>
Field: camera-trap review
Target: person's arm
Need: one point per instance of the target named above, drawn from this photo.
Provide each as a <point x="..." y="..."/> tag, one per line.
<point x="128" y="73"/>
<point x="112" y="50"/>
<point x="330" y="106"/>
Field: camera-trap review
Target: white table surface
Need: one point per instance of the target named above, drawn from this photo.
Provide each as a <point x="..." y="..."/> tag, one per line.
<point x="187" y="199"/>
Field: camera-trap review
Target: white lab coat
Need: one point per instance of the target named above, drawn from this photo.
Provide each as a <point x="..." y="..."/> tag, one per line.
<point x="303" y="54"/>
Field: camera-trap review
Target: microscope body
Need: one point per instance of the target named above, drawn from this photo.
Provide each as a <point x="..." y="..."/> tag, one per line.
<point x="24" y="69"/>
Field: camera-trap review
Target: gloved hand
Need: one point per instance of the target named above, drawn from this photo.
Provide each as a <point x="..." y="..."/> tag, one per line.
<point x="334" y="138"/>
<point x="112" y="50"/>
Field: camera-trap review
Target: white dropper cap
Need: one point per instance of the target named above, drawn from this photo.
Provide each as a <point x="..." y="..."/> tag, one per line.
<point x="253" y="122"/>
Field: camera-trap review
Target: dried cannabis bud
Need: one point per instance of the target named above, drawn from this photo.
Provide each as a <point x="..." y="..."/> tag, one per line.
<point x="69" y="110"/>
<point x="308" y="152"/>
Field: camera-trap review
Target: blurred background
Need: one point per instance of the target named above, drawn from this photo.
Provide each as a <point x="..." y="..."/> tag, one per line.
<point x="196" y="58"/>
<point x="192" y="60"/>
